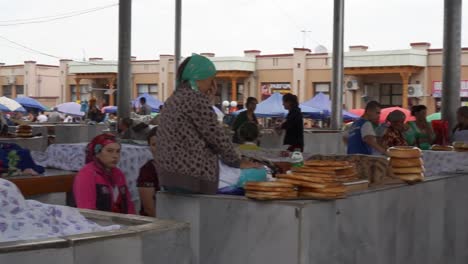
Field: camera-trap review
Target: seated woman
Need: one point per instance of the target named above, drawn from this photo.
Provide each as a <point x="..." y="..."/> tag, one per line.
<point x="193" y="149"/>
<point x="460" y="132"/>
<point x="100" y="185"/>
<point x="147" y="182"/>
<point x="394" y="134"/>
<point x="420" y="132"/>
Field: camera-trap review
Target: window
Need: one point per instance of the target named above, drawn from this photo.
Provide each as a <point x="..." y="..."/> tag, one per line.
<point x="7" y="90"/>
<point x="275" y="61"/>
<point x="84" y="92"/>
<point x="321" y="87"/>
<point x="151" y="89"/>
<point x="391" y="94"/>
<point x="19" y="90"/>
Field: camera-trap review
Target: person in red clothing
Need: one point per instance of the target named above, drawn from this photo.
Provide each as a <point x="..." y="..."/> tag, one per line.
<point x="148" y="183"/>
<point x="100" y="185"/>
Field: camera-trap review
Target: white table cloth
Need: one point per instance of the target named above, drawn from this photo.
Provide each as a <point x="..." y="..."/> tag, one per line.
<point x="437" y="162"/>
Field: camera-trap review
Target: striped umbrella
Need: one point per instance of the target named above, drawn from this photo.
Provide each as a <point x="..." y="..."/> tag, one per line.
<point x="11" y="105"/>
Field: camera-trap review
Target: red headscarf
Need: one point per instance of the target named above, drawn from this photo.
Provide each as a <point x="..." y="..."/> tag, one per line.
<point x="96" y="145"/>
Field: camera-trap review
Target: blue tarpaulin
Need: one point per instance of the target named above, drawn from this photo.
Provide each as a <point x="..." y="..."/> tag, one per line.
<point x="322" y="102"/>
<point x="150" y="100"/>
<point x="273" y="107"/>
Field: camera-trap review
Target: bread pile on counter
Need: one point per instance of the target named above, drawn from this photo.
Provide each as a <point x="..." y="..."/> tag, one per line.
<point x="270" y="190"/>
<point x="441" y="148"/>
<point x="317" y="179"/>
<point x="460" y="146"/>
<point x="406" y="163"/>
<point x="24" y="131"/>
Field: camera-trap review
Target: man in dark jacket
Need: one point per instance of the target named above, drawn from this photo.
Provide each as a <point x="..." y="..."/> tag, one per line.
<point x="294" y="124"/>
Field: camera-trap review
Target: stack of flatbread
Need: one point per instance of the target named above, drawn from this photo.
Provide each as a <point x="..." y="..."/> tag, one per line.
<point x="321" y="179"/>
<point x="406" y="163"/>
<point x="273" y="190"/>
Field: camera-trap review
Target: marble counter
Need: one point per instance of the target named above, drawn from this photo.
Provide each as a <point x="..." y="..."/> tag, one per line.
<point x="141" y="240"/>
<point x="77" y="133"/>
<point x="32" y="143"/>
<point x="421" y="223"/>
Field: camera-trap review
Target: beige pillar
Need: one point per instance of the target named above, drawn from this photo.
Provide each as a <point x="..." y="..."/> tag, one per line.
<point x="233" y="89"/>
<point x="405" y="79"/>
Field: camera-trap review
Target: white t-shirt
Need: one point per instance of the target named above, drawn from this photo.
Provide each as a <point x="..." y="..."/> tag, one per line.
<point x="367" y="130"/>
<point x="42" y="118"/>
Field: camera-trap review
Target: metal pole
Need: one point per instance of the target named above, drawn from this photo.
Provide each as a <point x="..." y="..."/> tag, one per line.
<point x="337" y="71"/>
<point x="451" y="61"/>
<point x="178" y="26"/>
<point x="124" y="76"/>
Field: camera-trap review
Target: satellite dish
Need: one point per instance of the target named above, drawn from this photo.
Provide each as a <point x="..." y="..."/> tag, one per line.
<point x="320" y="49"/>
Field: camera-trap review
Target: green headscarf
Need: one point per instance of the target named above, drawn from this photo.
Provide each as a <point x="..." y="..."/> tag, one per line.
<point x="198" y="68"/>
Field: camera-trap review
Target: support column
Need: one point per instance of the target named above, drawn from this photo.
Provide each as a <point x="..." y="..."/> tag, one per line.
<point x="178" y="30"/>
<point x="451" y="61"/>
<point x="13" y="91"/>
<point x="78" y="89"/>
<point x="111" y="82"/>
<point x="233" y="89"/>
<point x="405" y="80"/>
<point x="337" y="70"/>
<point x="125" y="37"/>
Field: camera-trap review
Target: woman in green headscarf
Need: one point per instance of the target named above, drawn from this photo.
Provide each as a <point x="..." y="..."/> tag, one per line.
<point x="192" y="146"/>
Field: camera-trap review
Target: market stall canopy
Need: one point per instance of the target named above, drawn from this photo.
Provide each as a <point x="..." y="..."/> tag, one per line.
<point x="434" y="116"/>
<point x="109" y="109"/>
<point x="70" y="108"/>
<point x="273" y="107"/>
<point x="29" y="102"/>
<point x="357" y="111"/>
<point x="386" y="111"/>
<point x="152" y="101"/>
<point x="10" y="105"/>
<point x="322" y="101"/>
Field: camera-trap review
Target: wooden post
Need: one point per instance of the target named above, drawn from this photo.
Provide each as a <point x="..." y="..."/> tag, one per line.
<point x="233" y="89"/>
<point x="77" y="89"/>
<point x="111" y="95"/>
<point x="405" y="79"/>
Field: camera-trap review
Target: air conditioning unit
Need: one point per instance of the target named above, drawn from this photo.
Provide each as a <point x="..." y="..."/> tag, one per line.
<point x="415" y="90"/>
<point x="352" y="85"/>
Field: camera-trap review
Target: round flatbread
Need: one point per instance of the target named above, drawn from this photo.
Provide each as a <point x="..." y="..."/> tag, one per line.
<point x="326" y="163"/>
<point x="305" y="184"/>
<point x="320" y="196"/>
<point x="268" y="189"/>
<point x="263" y="196"/>
<point x="404" y="152"/>
<point x="268" y="184"/>
<point x="406" y="163"/>
<point x="310" y="170"/>
<point x="409" y="170"/>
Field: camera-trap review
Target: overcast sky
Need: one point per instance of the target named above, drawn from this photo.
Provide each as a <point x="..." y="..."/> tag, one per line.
<point x="224" y="27"/>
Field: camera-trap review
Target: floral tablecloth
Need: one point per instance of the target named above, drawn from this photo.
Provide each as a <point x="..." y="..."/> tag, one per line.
<point x="71" y="157"/>
<point x="437" y="162"/>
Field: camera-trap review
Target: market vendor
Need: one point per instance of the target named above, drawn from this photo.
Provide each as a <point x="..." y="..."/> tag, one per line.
<point x="361" y="137"/>
<point x="192" y="145"/>
<point x="394" y="133"/>
<point x="147" y="182"/>
<point x="245" y="116"/>
<point x="294" y="124"/>
<point x="420" y="132"/>
<point x="100" y="185"/>
<point x="460" y="132"/>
